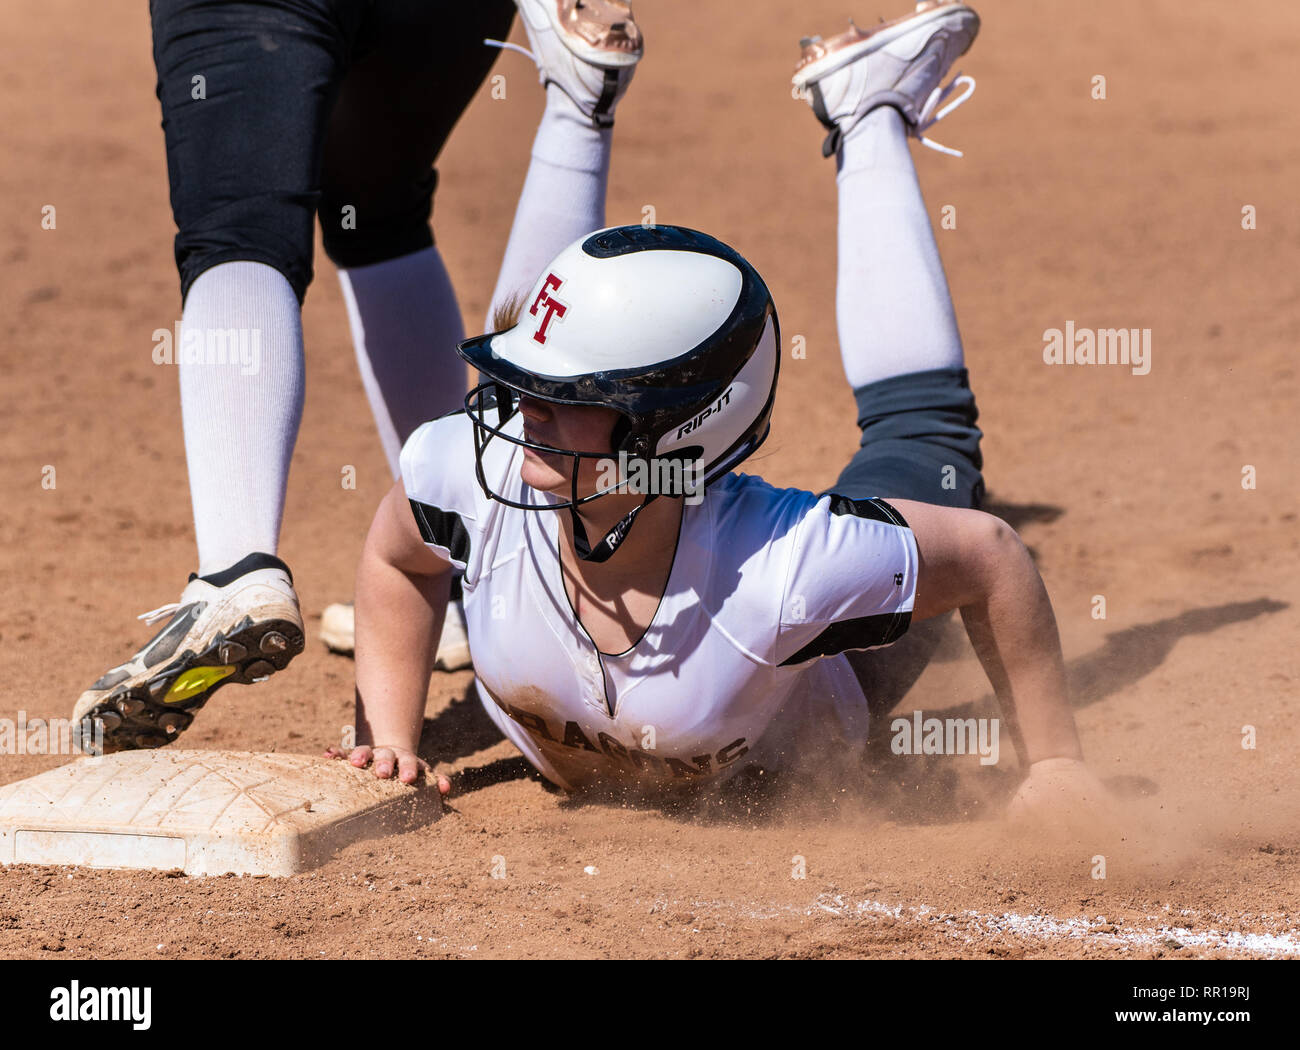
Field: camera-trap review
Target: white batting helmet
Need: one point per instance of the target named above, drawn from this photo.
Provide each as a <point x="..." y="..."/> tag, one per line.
<point x="667" y="326"/>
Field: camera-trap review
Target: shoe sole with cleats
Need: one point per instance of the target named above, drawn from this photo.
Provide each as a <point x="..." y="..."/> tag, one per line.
<point x="152" y="712"/>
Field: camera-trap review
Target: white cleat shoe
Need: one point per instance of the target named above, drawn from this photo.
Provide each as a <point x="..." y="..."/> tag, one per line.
<point x="899" y="63"/>
<point x="587" y="48"/>
<point x="338" y="628"/>
<point x="338" y="631"/>
<point x="240" y="625"/>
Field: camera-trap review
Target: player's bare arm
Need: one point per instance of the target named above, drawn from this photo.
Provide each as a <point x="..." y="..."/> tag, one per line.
<point x="401" y="595"/>
<point x="975" y="562"/>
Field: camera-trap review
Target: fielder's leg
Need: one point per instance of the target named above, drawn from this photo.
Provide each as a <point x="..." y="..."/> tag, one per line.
<point x="416" y="68"/>
<point x="245" y="90"/>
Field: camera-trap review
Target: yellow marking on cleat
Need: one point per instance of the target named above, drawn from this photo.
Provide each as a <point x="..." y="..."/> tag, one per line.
<point x="196" y="680"/>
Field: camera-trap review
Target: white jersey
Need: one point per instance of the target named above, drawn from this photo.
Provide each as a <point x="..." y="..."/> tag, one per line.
<point x="742" y="663"/>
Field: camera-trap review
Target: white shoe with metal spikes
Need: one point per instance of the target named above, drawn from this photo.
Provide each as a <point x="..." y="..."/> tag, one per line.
<point x="900" y="63"/>
<point x="240" y="625"/>
<point x="587" y="48"/>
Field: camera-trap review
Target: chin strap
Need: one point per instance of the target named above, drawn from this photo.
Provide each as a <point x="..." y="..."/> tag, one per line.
<point x="606" y="547"/>
<point x="611" y="541"/>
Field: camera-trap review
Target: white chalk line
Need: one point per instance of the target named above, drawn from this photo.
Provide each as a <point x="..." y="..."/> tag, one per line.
<point x="970" y="926"/>
<point x="1048" y="927"/>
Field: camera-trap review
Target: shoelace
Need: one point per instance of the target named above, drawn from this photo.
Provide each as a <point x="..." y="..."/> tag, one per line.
<point x="160" y="613"/>
<point x="506" y="45"/>
<point x="929" y="117"/>
<point x="600" y="115"/>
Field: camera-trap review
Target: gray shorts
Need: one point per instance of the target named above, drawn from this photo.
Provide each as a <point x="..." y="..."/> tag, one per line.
<point x="919" y="441"/>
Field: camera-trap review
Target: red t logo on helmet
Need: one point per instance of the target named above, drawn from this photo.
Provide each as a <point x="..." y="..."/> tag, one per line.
<point x="553" y="307"/>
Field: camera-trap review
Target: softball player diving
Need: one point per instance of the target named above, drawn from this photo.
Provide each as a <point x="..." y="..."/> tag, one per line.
<point x="624" y="637"/>
<point x="277" y="112"/>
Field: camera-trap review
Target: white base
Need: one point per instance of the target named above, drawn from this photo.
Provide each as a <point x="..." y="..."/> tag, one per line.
<point x="203" y="812"/>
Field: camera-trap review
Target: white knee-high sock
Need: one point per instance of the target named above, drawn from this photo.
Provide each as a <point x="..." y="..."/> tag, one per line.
<point x="563" y="196"/>
<point x="892" y="305"/>
<point x="241" y="407"/>
<point x="405" y="326"/>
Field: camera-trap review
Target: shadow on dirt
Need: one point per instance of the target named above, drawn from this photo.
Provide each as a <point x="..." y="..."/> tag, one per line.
<point x="1018" y="515"/>
<point x="926" y="789"/>
<point x="459" y="729"/>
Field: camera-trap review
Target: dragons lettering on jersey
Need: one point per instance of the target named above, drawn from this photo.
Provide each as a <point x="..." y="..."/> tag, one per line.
<point x="631" y="758"/>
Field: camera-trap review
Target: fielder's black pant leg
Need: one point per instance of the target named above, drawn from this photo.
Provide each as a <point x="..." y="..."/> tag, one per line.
<point x="416" y="66"/>
<point x="246" y="91"/>
<point x="919" y="442"/>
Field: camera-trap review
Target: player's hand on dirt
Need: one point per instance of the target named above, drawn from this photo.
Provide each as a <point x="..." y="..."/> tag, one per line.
<point x="1063" y="793"/>
<point x="385" y="761"/>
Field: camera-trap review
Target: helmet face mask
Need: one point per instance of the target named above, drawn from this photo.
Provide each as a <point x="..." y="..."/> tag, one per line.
<point x="669" y="328"/>
<point x="491" y="396"/>
<point x="628" y="450"/>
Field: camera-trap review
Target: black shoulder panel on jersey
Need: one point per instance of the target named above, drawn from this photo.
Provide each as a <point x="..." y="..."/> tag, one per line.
<point x="444" y="528"/>
<point x="862" y="632"/>
<point x="874" y="509"/>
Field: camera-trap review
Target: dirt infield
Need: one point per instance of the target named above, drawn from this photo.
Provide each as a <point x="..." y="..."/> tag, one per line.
<point x="1125" y="212"/>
